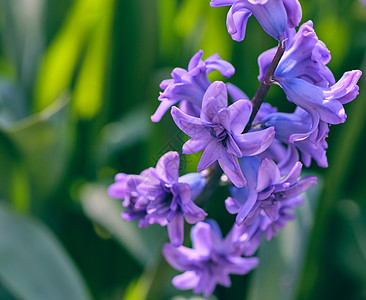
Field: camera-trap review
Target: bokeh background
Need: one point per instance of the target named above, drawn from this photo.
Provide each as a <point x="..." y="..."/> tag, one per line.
<point x="78" y="82"/>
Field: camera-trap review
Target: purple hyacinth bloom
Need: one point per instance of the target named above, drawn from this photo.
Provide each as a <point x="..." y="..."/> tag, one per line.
<point x="218" y="131"/>
<point x="273" y="15"/>
<point x="158" y="195"/>
<point x="307" y="82"/>
<point x="209" y="262"/>
<point x="246" y="239"/>
<point x="265" y="190"/>
<point x="188" y="87"/>
<point x="135" y="204"/>
<point x="289" y="125"/>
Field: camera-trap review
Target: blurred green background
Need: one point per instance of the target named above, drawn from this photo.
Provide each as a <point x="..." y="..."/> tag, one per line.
<point x="78" y="83"/>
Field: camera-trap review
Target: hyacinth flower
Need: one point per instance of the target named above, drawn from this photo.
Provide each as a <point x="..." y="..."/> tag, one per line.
<point x="218" y="132"/>
<point x="289" y="124"/>
<point x="265" y="190"/>
<point x="273" y="15"/>
<point x="307" y="82"/>
<point x="188" y="87"/>
<point x="246" y="239"/>
<point x="135" y="204"/>
<point x="160" y="196"/>
<point x="209" y="262"/>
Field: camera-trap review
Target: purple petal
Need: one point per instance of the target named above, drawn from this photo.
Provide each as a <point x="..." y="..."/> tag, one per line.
<point x="294" y="13"/>
<point x="168" y="167"/>
<point x="240" y="112"/>
<point x="268" y="174"/>
<point x="210" y="155"/>
<point x="179" y="257"/>
<point x="272" y="16"/>
<point x="191" y="126"/>
<point x="222" y="118"/>
<point x="182" y="191"/>
<point x="236" y="21"/>
<point x="232" y="147"/>
<point x="195" y="60"/>
<point x="217" y="3"/>
<point x="176" y="230"/>
<point x="242" y="265"/>
<point x="162" y="109"/>
<point x="246" y="208"/>
<point x="189" y="108"/>
<point x="230" y="165"/>
<point x="232" y="205"/>
<point x="201" y="238"/>
<point x="311" y="98"/>
<point x="214" y="62"/>
<point x="193" y="213"/>
<point x="253" y="143"/>
<point x="187" y="280"/>
<point x="303" y="184"/>
<point x="214" y="100"/>
<point x="193" y="146"/>
<point x="196" y="183"/>
<point x="294" y="174"/>
<point x="346" y="89"/>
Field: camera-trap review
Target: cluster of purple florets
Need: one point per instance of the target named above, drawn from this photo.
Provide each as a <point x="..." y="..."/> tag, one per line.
<point x="261" y="151"/>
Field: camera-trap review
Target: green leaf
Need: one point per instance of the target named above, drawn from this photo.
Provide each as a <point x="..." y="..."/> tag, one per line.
<point x="43" y="141"/>
<point x="115" y="137"/>
<point x="144" y="244"/>
<point x="60" y="61"/>
<point x="281" y="259"/>
<point x="33" y="264"/>
<point x="89" y="90"/>
<point x="24" y="36"/>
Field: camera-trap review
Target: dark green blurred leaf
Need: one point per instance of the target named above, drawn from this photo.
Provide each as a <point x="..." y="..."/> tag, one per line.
<point x="144" y="244"/>
<point x="281" y="259"/>
<point x="12" y="103"/>
<point x="33" y="265"/>
<point x="24" y="36"/>
<point x="352" y="240"/>
<point x="118" y="136"/>
<point x="43" y="141"/>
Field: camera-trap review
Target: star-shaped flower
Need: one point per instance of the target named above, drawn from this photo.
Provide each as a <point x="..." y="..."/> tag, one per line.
<point x="209" y="262"/>
<point x="218" y="132"/>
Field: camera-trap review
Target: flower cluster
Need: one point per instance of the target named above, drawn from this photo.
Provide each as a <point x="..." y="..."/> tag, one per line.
<point x="260" y="150"/>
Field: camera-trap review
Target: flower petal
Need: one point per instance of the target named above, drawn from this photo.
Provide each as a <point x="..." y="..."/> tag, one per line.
<point x="187" y="280"/>
<point x="210" y="155"/>
<point x="167" y="167"/>
<point x="176" y="230"/>
<point x="268" y="174"/>
<point x="214" y="100"/>
<point x="230" y="165"/>
<point x="240" y="112"/>
<point x="253" y="143"/>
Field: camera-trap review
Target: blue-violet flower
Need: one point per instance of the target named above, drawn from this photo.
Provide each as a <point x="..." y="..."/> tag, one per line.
<point x="273" y="15"/>
<point x="209" y="262"/>
<point x="218" y="131"/>
<point x="307" y="82"/>
<point x="265" y="190"/>
<point x="158" y="195"/>
<point x="188" y="87"/>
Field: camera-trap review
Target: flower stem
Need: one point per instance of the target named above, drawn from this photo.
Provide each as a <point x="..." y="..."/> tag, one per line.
<point x="262" y="91"/>
<point x="265" y="85"/>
